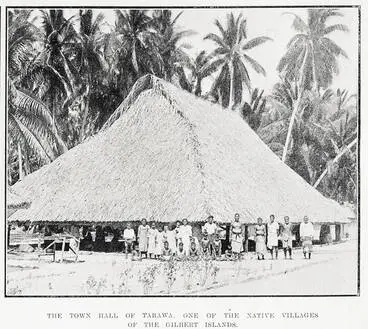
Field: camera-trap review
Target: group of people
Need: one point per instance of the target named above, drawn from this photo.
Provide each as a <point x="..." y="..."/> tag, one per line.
<point x="177" y="240"/>
<point x="274" y="232"/>
<point x="174" y="240"/>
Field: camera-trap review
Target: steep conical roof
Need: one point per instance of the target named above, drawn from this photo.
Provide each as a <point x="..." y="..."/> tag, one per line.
<point x="165" y="155"/>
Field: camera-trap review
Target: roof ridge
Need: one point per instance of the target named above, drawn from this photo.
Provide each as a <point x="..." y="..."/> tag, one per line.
<point x="144" y="83"/>
<point x="158" y="86"/>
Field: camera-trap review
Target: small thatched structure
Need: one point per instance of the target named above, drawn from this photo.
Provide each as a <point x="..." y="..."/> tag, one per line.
<point x="15" y="202"/>
<point x="167" y="155"/>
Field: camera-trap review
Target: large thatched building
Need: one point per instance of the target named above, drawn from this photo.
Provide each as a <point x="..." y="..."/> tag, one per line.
<point x="165" y="155"/>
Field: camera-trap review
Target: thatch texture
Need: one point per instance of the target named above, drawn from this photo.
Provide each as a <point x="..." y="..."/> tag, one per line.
<point x="168" y="155"/>
<point x="14" y="201"/>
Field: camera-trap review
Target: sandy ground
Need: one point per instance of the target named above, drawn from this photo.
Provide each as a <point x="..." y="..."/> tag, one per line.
<point x="337" y="276"/>
<point x="332" y="270"/>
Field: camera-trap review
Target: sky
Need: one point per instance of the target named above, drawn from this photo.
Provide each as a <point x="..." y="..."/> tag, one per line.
<point x="274" y="23"/>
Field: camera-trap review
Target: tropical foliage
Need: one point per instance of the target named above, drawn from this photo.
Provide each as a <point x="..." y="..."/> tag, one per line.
<point x="67" y="75"/>
<point x="231" y="59"/>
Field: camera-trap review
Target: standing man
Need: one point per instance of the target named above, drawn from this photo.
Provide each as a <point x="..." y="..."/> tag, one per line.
<point x="306" y="236"/>
<point x="272" y="236"/>
<point x="236" y="237"/>
<point x="211" y="228"/>
<point x="129" y="238"/>
<point x="287" y="237"/>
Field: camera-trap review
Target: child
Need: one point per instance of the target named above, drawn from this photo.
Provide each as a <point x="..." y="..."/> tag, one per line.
<point x="159" y="242"/>
<point x="193" y="251"/>
<point x="166" y="252"/>
<point x="177" y="233"/>
<point x="229" y="253"/>
<point x="205" y="244"/>
<point x="195" y="240"/>
<point x="180" y="253"/>
<point x="216" y="247"/>
<point x="136" y="254"/>
<point x="152" y="235"/>
<point x="129" y="238"/>
<point x="143" y="230"/>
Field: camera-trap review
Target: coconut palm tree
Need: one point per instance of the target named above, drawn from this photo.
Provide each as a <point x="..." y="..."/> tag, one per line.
<point x="168" y="42"/>
<point x="199" y="69"/>
<point x="135" y="39"/>
<point x="89" y="58"/>
<point x="231" y="58"/>
<point x="59" y="38"/>
<point x="29" y="120"/>
<point x="311" y="57"/>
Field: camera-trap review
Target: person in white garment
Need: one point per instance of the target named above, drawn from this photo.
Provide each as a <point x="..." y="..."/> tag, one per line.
<point x="171" y="238"/>
<point x="273" y="236"/>
<point x="211" y="228"/>
<point x="236" y="236"/>
<point x="287" y="237"/>
<point x="185" y="232"/>
<point x="129" y="238"/>
<point x="306" y="236"/>
<point x="152" y="240"/>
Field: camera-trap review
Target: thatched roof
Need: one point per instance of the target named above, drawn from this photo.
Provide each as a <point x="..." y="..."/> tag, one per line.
<point x="14" y="201"/>
<point x="167" y="155"/>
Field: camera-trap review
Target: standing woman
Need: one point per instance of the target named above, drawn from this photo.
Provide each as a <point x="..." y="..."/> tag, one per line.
<point x="185" y="234"/>
<point x="260" y="239"/>
<point x="152" y="240"/>
<point x="143" y="238"/>
<point x="171" y="238"/>
<point x="236" y="236"/>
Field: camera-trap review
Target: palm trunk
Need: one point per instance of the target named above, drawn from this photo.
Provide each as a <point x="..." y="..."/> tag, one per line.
<point x="85" y="113"/>
<point x="295" y="110"/>
<point x="198" y="87"/>
<point x="20" y="165"/>
<point x="231" y="100"/>
<point x="27" y="168"/>
<point x="335" y="160"/>
<point x="68" y="72"/>
<point x="315" y="82"/>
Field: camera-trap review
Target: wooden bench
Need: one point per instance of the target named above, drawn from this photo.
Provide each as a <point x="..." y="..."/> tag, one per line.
<point x="60" y="242"/>
<point x="17" y="239"/>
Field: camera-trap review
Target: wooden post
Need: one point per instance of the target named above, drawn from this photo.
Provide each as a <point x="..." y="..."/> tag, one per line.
<point x="62" y="250"/>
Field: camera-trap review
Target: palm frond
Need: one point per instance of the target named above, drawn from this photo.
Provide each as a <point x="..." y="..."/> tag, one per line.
<point x="298" y="23"/>
<point x="255" y="65"/>
<point x="255" y="42"/>
<point x="336" y="27"/>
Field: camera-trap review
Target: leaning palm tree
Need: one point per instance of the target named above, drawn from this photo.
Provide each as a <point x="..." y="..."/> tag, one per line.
<point x="30" y="124"/>
<point x="311" y="57"/>
<point x="231" y="58"/>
